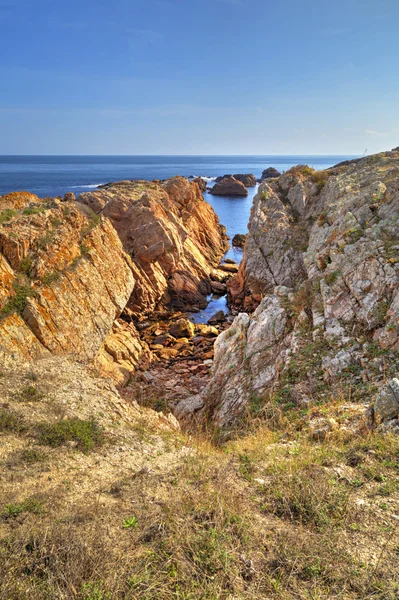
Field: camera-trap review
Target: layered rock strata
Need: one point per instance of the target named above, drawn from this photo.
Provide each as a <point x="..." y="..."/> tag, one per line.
<point x="68" y="273"/>
<point x="321" y="268"/>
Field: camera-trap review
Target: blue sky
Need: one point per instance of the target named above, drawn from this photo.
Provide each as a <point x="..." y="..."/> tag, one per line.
<point x="198" y="76"/>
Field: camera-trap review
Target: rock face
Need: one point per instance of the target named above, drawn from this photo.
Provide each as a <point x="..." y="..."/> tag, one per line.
<point x="67" y="274"/>
<point x="270" y="173"/>
<point x="239" y="240"/>
<point x="229" y="186"/>
<point x="17" y="200"/>
<point x="201" y="183"/>
<point x="386" y="406"/>
<point x="68" y="279"/>
<point x="172" y="235"/>
<point x="321" y="268"/>
<point x="248" y="179"/>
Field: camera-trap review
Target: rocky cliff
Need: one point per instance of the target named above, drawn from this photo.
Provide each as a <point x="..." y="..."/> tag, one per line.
<point x="67" y="273"/>
<point x="321" y="268"/>
<point x="172" y="235"/>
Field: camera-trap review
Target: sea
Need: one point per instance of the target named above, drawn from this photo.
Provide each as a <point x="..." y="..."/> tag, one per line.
<point x="55" y="175"/>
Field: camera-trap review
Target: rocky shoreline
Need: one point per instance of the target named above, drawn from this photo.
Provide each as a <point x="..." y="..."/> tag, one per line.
<point x="114" y="279"/>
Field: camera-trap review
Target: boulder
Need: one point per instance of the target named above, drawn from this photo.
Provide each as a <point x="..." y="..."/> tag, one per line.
<point x="69" y="197"/>
<point x="218" y="317"/>
<point x="229" y="267"/>
<point x="248" y="180"/>
<point x="17" y="200"/>
<point x="270" y="173"/>
<point x="239" y="240"/>
<point x="229" y="186"/>
<point x="218" y="288"/>
<point x="183" y="328"/>
<point x="206" y="330"/>
<point x="201" y="183"/>
<point x="386" y="406"/>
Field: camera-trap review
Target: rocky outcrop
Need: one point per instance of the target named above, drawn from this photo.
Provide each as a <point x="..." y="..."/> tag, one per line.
<point x="270" y="173"/>
<point x="386" y="407"/>
<point x="172" y="235"/>
<point x="67" y="273"/>
<point x="68" y="279"/>
<point x="238" y="240"/>
<point x="17" y="200"/>
<point x="247" y="179"/>
<point x="321" y="264"/>
<point x="201" y="183"/>
<point x="229" y="186"/>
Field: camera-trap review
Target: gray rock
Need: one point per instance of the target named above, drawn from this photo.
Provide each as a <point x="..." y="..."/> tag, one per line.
<point x="218" y="317"/>
<point x="386" y="406"/>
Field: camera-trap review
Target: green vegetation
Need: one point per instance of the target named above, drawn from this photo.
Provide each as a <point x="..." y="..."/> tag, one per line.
<point x="30" y="505"/>
<point x="25" y="265"/>
<point x="332" y="277"/>
<point x="10" y="421"/>
<point x="33" y="210"/>
<point x="86" y="434"/>
<point x="95" y="591"/>
<point x="7" y="215"/>
<point x="51" y="277"/>
<point x="29" y="394"/>
<point x="45" y="240"/>
<point x="17" y="302"/>
<point x="130" y="522"/>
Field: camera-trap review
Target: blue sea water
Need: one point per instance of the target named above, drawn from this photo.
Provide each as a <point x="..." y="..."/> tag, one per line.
<point x="56" y="175"/>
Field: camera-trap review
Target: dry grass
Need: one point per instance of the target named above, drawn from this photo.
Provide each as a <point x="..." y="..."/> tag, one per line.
<point x="271" y="515"/>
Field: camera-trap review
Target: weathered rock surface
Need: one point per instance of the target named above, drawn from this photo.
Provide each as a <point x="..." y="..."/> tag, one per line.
<point x="67" y="273"/>
<point x="172" y="235"/>
<point x="17" y="200"/>
<point x="270" y="173"/>
<point x="201" y="183"/>
<point x="247" y="179"/>
<point x="321" y="264"/>
<point x="229" y="186"/>
<point x="239" y="240"/>
<point x="66" y="279"/>
<point x="386" y="406"/>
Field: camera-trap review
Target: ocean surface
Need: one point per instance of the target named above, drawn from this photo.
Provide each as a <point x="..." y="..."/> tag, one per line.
<point x="56" y="175"/>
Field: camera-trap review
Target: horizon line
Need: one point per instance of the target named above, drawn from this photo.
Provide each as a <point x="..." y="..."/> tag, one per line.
<point x="178" y="155"/>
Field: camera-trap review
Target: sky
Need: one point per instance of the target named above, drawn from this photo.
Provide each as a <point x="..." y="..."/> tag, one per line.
<point x="199" y="76"/>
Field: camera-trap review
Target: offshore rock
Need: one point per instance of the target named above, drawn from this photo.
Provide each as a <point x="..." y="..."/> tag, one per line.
<point x="248" y="179"/>
<point x="229" y="186"/>
<point x="238" y="240"/>
<point x="270" y="173"/>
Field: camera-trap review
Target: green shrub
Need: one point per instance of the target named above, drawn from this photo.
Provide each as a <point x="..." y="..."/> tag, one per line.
<point x="51" y="277"/>
<point x="34" y="210"/>
<point x="45" y="240"/>
<point x="332" y="277"/>
<point x="25" y="265"/>
<point x="18" y="302"/>
<point x="93" y="591"/>
<point x="7" y="215"/>
<point x="9" y="421"/>
<point x="29" y="394"/>
<point x="30" y="505"/>
<point x="86" y="434"/>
